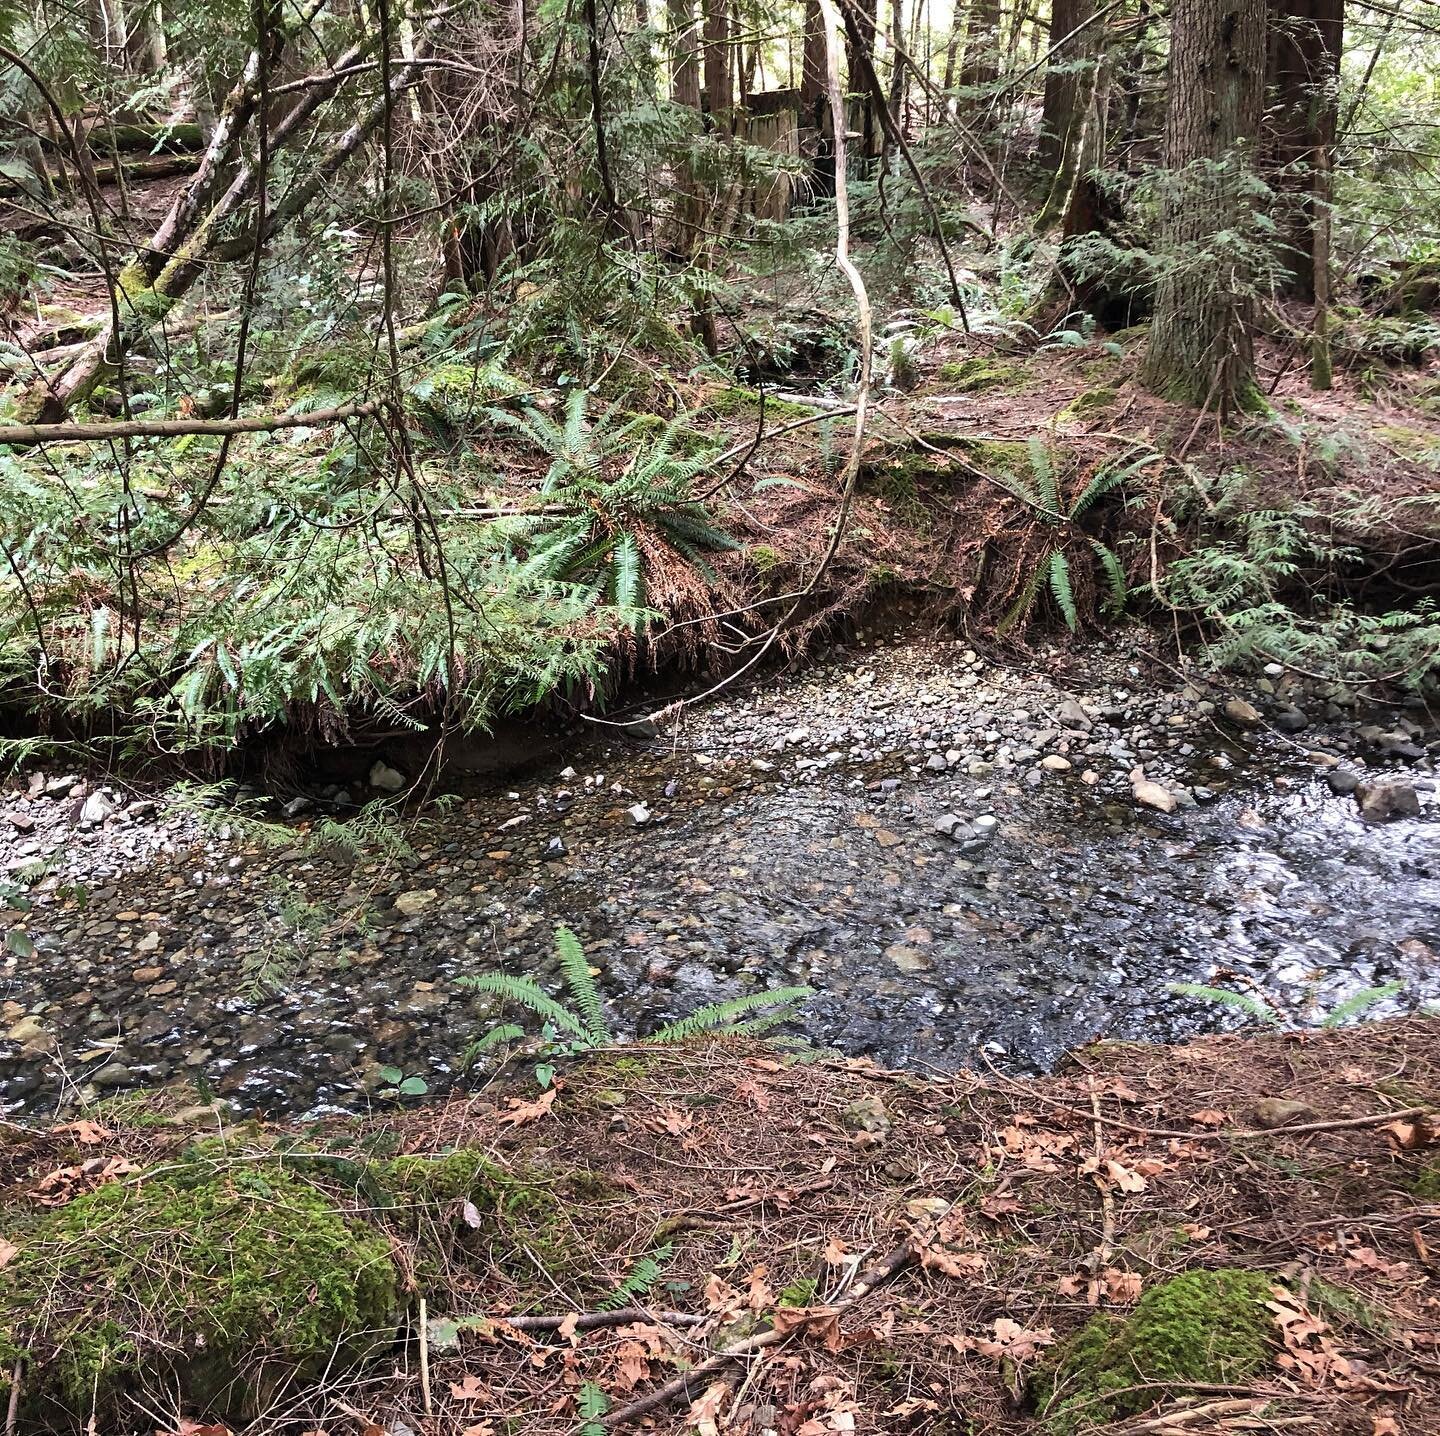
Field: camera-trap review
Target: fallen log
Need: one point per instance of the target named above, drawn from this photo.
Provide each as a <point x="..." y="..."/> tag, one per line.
<point x="26" y="435"/>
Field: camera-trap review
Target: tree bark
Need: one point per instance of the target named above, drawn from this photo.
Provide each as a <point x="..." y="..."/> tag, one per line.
<point x="719" y="69"/>
<point x="1201" y="350"/>
<point x="1303" y="78"/>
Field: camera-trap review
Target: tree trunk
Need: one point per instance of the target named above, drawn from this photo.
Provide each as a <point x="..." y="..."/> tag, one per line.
<point x="860" y="50"/>
<point x="1201" y="350"/>
<point x="1063" y="75"/>
<point x="982" y="52"/>
<point x="719" y="85"/>
<point x="1303" y="78"/>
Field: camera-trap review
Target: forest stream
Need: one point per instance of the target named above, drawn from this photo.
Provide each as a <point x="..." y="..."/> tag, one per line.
<point x="797" y="836"/>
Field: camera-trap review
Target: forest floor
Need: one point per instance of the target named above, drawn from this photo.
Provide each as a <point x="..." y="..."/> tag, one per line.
<point x="1245" y="1228"/>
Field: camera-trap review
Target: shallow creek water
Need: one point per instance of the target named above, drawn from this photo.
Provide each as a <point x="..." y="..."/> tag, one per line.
<point x="282" y="982"/>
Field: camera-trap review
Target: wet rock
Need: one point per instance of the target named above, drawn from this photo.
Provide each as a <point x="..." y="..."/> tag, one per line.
<point x="1272" y="1112"/>
<point x="1151" y="794"/>
<point x="1071" y="715"/>
<point x="385" y="778"/>
<point x="22" y="822"/>
<point x="908" y="959"/>
<point x="61" y="787"/>
<point x="1054" y="763"/>
<point x="297" y="805"/>
<point x="1383" y="798"/>
<point x="1237" y="710"/>
<point x="1343" y="781"/>
<point x="555" y="848"/>
<point x="640" y="816"/>
<point x="114" y="1074"/>
<point x="414" y="902"/>
<point x="1292" y="720"/>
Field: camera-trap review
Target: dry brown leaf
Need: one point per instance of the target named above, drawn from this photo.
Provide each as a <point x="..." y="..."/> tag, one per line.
<point x="1412" y="1135"/>
<point x="834" y="1254"/>
<point x="1385" y="1426"/>
<point x="480" y="1428"/>
<point x="521" y="1112"/>
<point x="676" y="1122"/>
<point x="85" y="1132"/>
<point x="470" y="1388"/>
<point x="1012" y="1342"/>
<point x="8" y="1252"/>
<point x="1209" y="1117"/>
<point x="1122" y="1287"/>
<point x="1126" y="1179"/>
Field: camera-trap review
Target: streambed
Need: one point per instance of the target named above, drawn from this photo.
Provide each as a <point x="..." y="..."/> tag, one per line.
<point x="788" y="836"/>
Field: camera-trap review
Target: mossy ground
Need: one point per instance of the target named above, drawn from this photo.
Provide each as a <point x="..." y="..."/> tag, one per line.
<point x="1208" y="1328"/>
<point x="731" y="1169"/>
<point x="227" y="1278"/>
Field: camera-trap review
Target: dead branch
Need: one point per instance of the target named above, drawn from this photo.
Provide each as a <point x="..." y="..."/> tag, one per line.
<point x="26" y="434"/>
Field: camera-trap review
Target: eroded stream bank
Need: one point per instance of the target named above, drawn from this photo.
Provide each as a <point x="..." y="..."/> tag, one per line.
<point x="950" y="853"/>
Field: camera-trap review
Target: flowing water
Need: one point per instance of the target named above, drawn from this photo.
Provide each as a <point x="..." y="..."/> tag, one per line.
<point x="283" y="980"/>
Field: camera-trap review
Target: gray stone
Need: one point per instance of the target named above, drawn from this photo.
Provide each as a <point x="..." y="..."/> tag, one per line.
<point x="640" y="815"/>
<point x="386" y="778"/>
<point x="1343" y="781"/>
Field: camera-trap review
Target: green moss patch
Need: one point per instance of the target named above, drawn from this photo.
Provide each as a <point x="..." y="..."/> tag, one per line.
<point x="1200" y="1328"/>
<point x="223" y="1280"/>
<point x="735" y="400"/>
<point x="974" y="376"/>
<point x="1090" y="404"/>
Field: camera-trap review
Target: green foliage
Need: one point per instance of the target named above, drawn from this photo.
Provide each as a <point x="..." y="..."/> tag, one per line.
<point x="1246" y="1002"/>
<point x="1255" y="579"/>
<point x="618" y="516"/>
<point x="639" y="1279"/>
<point x="1257" y="1007"/>
<point x="1063" y="539"/>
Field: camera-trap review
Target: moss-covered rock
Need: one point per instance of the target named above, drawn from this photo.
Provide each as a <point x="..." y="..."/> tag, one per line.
<point x="735" y="400"/>
<point x="223" y="1280"/>
<point x="1427" y="1184"/>
<point x="974" y="376"/>
<point x="1090" y="404"/>
<point x="1202" y="1327"/>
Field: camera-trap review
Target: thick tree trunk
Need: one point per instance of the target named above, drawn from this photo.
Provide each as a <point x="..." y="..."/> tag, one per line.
<point x="1201" y="337"/>
<point x="1303" y="78"/>
<point x="719" y="65"/>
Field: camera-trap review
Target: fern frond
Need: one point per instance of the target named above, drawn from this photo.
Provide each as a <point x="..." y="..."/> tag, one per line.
<point x="527" y="994"/>
<point x="1362" y="1001"/>
<point x="724" y="1016"/>
<point x="1247" y="1002"/>
<point x="582" y="985"/>
<point x="1114" y="575"/>
<point x="1059" y="571"/>
<point x="638" y="1280"/>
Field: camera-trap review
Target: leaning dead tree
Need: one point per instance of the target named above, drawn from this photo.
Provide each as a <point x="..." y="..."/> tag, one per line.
<point x="205" y="223"/>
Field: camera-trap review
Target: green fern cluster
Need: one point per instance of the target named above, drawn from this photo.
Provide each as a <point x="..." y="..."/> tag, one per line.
<point x="617" y="499"/>
<point x="1258" y="1008"/>
<point x="582" y="1026"/>
<point x="1052" y="568"/>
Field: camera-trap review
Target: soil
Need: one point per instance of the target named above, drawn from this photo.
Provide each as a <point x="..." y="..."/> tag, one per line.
<point x="1011" y="1212"/>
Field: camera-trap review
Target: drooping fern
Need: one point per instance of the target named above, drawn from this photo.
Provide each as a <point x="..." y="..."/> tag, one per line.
<point x="583" y="1026"/>
<point x="1247" y="1002"/>
<point x="582" y="987"/>
<point x="725" y="1016"/>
